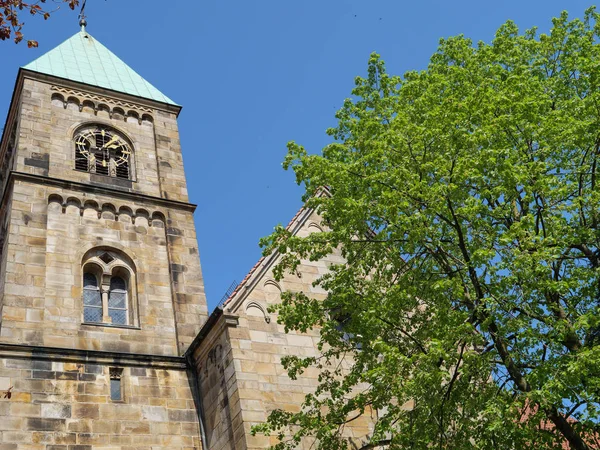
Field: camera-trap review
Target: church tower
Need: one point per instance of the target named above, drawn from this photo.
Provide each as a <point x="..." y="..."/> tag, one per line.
<point x="100" y="280"/>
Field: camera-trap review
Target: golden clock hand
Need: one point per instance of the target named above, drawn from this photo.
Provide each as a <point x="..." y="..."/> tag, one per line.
<point x="113" y="139"/>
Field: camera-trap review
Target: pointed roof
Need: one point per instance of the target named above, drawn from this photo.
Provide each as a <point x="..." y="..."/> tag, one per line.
<point x="83" y="59"/>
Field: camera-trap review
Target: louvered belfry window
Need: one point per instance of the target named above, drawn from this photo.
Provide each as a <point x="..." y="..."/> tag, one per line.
<point x="103" y="151"/>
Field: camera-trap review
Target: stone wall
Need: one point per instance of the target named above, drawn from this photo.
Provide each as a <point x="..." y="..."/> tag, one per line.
<point x="58" y="213"/>
<point x="56" y="366"/>
<point x="50" y="115"/>
<point x="216" y="372"/>
<point x="51" y="229"/>
<point x="65" y="404"/>
<point x="255" y="345"/>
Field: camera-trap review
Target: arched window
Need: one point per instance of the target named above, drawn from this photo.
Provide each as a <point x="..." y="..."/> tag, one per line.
<point x="103" y="151"/>
<point x="108" y="288"/>
<point x="117" y="301"/>
<point x="92" y="300"/>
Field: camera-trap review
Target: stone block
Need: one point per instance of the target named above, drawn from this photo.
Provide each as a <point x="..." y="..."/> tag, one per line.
<point x="25" y="409"/>
<point x="155" y="414"/>
<point x="56" y="411"/>
<point x="5" y="383"/>
<point x="182" y="415"/>
<point x="111" y="427"/>
<point x="40" y="424"/>
<point x="93" y="368"/>
<point x="19" y="437"/>
<point x="128" y="428"/>
<point x="85" y="411"/>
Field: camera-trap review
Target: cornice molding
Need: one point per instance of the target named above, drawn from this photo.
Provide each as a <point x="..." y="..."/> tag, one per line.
<point x="91" y="356"/>
<point x="52" y="80"/>
<point x="97" y="189"/>
<point x="229" y="320"/>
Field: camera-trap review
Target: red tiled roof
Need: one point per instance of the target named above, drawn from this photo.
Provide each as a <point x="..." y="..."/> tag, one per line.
<point x="259" y="262"/>
<point x="323" y="191"/>
<point x="591" y="440"/>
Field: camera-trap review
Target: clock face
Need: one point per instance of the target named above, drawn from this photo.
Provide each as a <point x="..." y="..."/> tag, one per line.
<point x="103" y="152"/>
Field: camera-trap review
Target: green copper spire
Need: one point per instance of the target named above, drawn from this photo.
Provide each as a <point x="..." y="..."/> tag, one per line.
<point x="83" y="59"/>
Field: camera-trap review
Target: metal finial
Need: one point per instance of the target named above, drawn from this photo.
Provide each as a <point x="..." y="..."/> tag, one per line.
<point x="82" y="21"/>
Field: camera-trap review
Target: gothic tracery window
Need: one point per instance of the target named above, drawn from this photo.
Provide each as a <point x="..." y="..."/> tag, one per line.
<point x="102" y="150"/>
<point x="108" y="288"/>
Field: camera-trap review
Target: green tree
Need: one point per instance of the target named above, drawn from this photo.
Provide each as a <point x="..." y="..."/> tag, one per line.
<point x="11" y="12"/>
<point x="465" y="199"/>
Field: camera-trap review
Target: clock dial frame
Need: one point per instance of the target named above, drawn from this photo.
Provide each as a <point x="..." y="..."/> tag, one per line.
<point x="102" y="151"/>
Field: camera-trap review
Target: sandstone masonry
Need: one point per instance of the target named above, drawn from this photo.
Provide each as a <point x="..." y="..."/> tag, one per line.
<point x="105" y="338"/>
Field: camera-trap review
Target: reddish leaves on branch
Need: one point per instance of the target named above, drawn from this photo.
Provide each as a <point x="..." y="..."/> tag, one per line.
<point x="11" y="24"/>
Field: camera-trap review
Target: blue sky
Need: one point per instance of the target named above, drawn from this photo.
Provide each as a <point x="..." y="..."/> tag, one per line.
<point x="252" y="76"/>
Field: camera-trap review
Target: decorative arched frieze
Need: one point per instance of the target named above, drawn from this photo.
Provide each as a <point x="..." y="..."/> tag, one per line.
<point x="101" y="105"/>
<point x="147" y="119"/>
<point x="158" y="220"/>
<point x="72" y="206"/>
<point x="55" y="198"/>
<point x="132" y="117"/>
<point x="55" y="203"/>
<point x="103" y="111"/>
<point x="272" y="291"/>
<point x="125" y="214"/>
<point x="58" y="100"/>
<point x="254" y="308"/>
<point x="73" y="103"/>
<point x="91" y="209"/>
<point x="118" y="113"/>
<point x="314" y="227"/>
<point x="88" y="106"/>
<point x="109" y="211"/>
<point x="272" y="283"/>
<point x="142" y="217"/>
